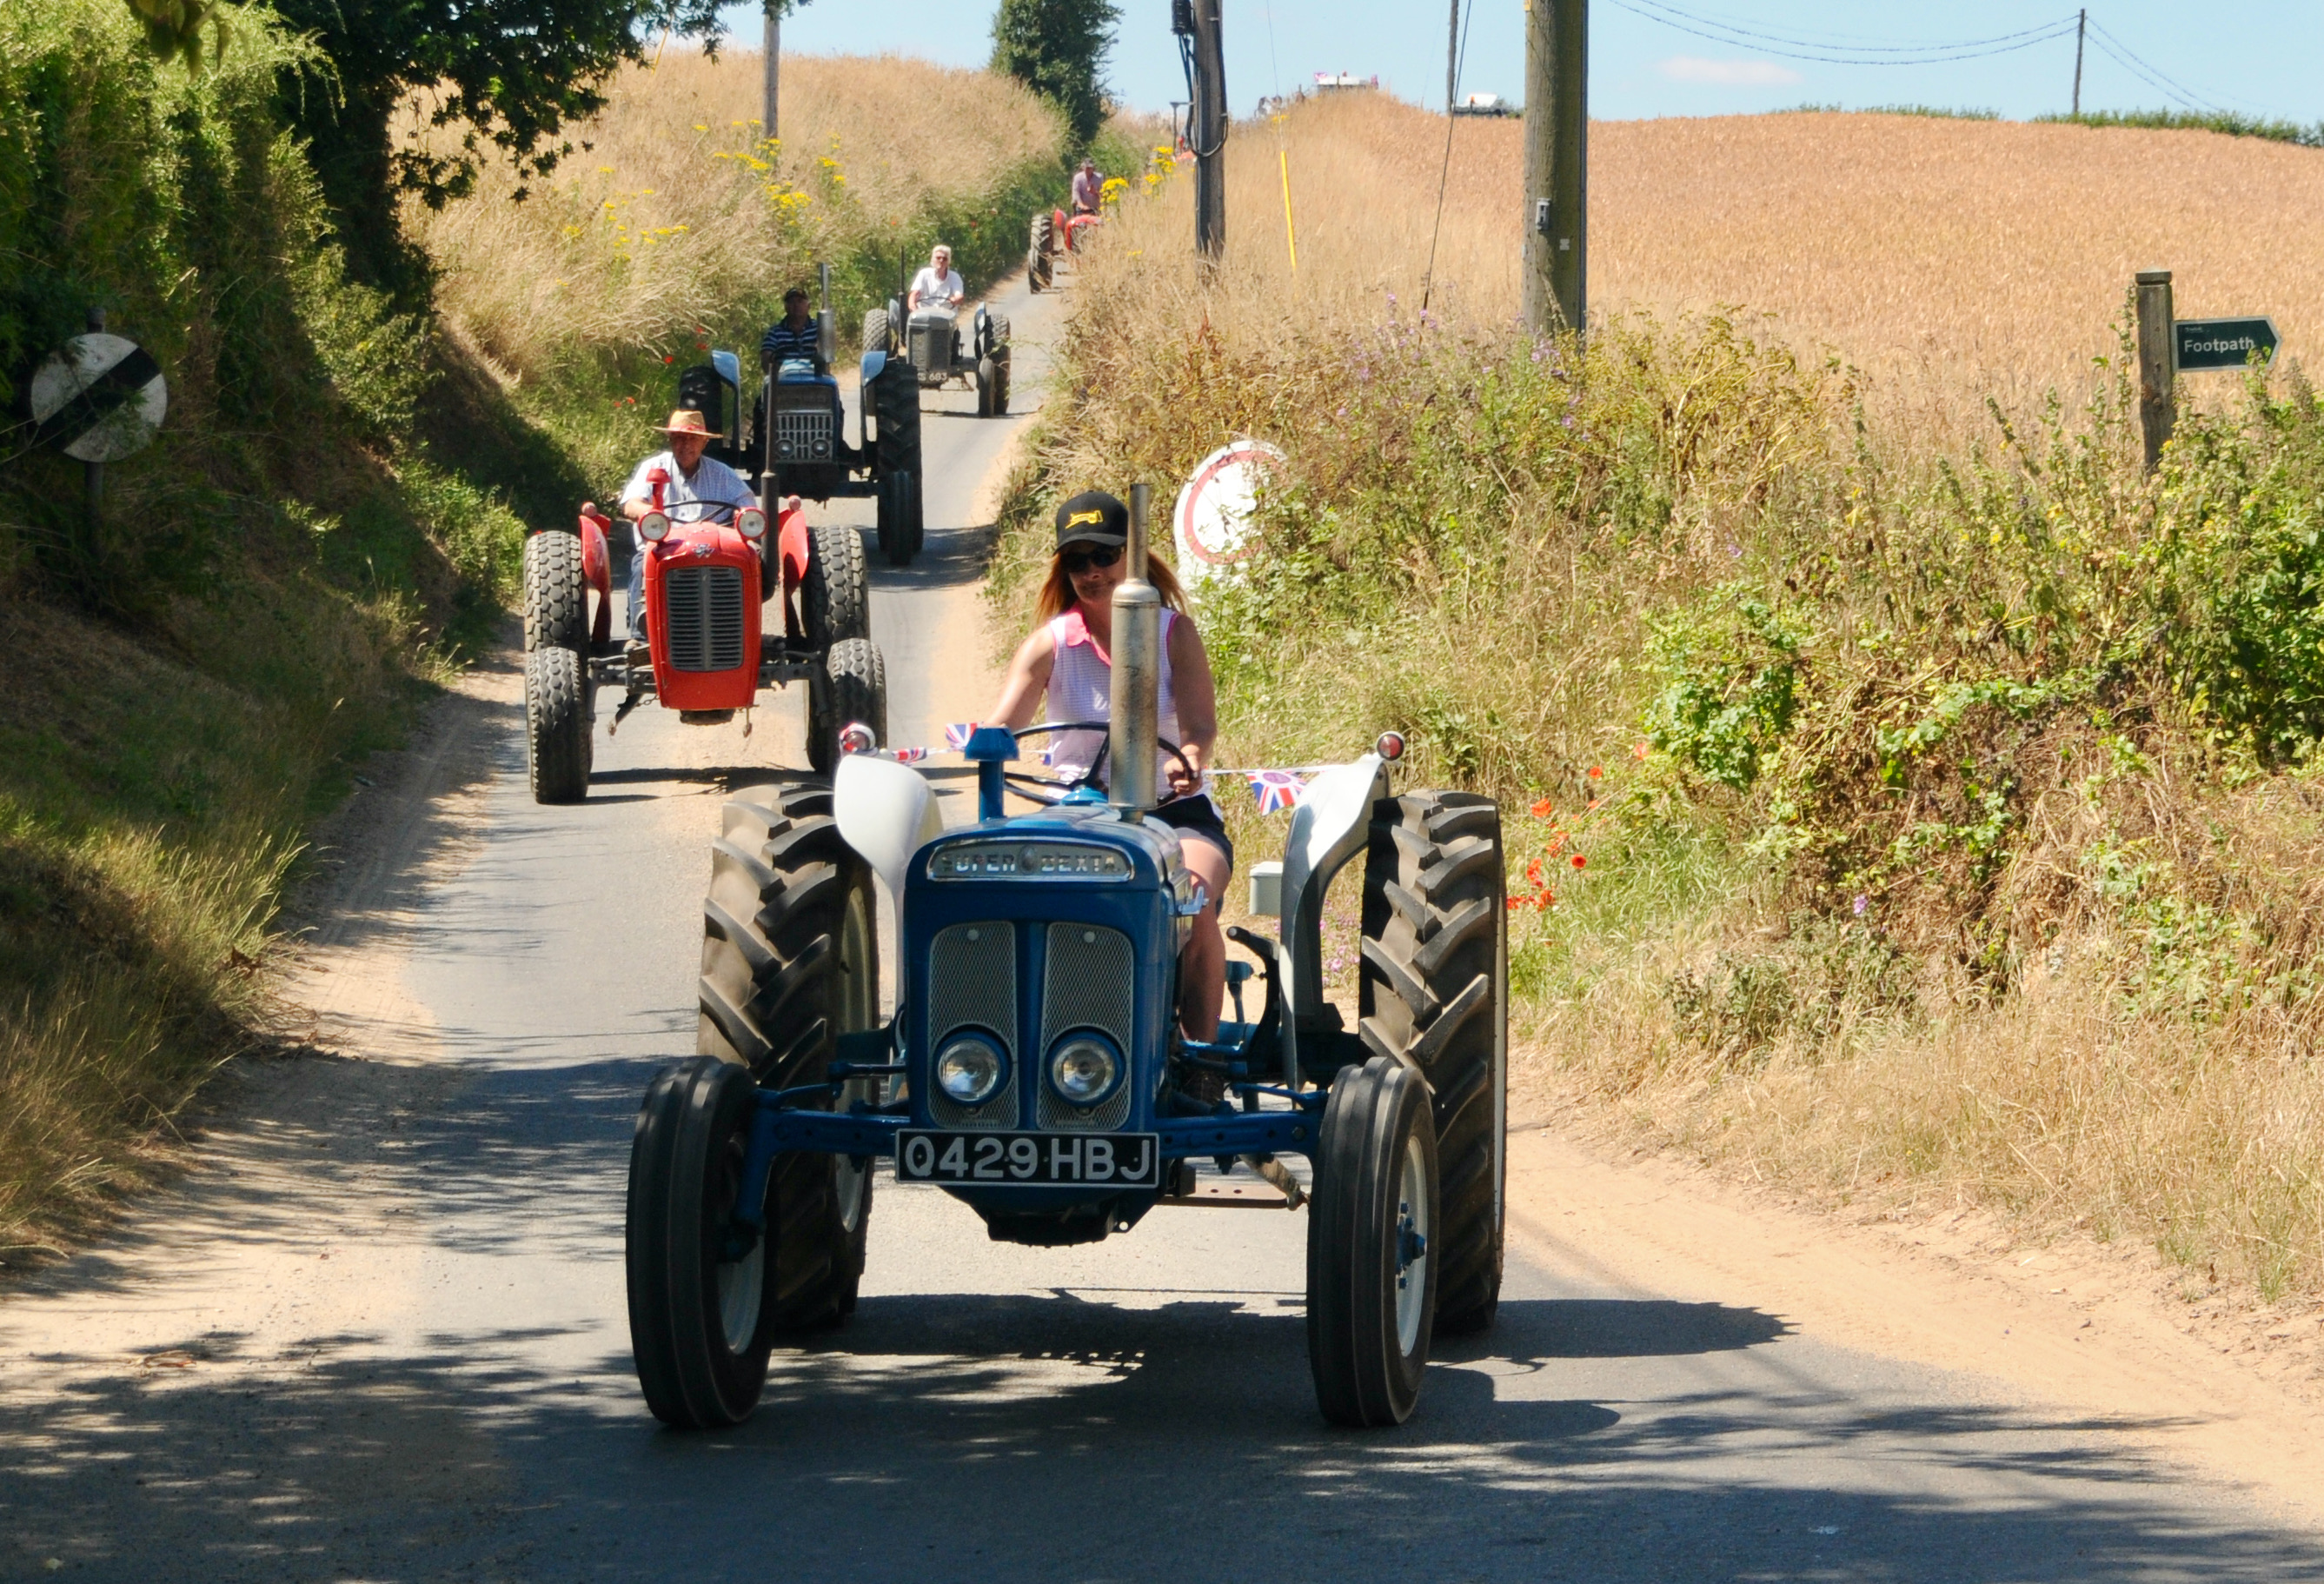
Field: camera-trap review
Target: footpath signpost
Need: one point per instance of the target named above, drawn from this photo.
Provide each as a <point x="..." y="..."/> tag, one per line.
<point x="2169" y="347"/>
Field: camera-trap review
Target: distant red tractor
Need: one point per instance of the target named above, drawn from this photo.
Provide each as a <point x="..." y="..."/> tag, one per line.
<point x="1054" y="232"/>
<point x="709" y="578"/>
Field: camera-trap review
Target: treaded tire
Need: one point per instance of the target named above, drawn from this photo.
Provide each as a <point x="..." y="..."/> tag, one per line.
<point x="835" y="596"/>
<point x="700" y="1324"/>
<point x="557" y="743"/>
<point x="853" y="687"/>
<point x="1368" y="1372"/>
<point x="879" y="331"/>
<point x="556" y="593"/>
<point x="901" y="528"/>
<point x="789" y="962"/>
<point x="988" y="381"/>
<point x="998" y="341"/>
<point x="1434" y="992"/>
<point x="1045" y="233"/>
<point x="1000" y="384"/>
<point x="1033" y="281"/>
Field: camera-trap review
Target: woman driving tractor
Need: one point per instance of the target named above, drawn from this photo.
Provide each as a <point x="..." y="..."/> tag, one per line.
<point x="1068" y="658"/>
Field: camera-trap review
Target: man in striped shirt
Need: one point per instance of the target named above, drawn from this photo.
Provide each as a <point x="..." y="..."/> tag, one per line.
<point x="794" y="336"/>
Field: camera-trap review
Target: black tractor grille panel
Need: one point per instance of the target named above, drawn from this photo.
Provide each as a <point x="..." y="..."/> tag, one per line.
<point x="972" y="984"/>
<point x="803" y="437"/>
<point x="702" y="607"/>
<point x="1090" y="983"/>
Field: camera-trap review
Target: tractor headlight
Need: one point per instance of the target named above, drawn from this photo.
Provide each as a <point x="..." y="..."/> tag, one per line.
<point x="750" y="522"/>
<point x="970" y="1069"/>
<point x="1084" y="1068"/>
<point x="654" y="526"/>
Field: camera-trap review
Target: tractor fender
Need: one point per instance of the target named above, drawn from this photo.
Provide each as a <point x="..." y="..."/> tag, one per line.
<point x="887" y="812"/>
<point x="792" y="542"/>
<point x="597" y="571"/>
<point x="873" y="362"/>
<point x="1331" y="825"/>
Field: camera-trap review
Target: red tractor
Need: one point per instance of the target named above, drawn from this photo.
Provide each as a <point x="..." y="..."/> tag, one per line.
<point x="1054" y="232"/>
<point x="711" y="575"/>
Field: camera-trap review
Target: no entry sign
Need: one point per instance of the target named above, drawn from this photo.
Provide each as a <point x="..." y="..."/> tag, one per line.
<point x="1212" y="519"/>
<point x="99" y="397"/>
<point x="2223" y="343"/>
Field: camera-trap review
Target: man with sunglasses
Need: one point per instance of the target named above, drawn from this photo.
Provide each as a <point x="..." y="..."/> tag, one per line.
<point x="1067" y="661"/>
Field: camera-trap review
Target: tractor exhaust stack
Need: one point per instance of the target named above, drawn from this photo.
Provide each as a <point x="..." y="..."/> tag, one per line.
<point x="1136" y="671"/>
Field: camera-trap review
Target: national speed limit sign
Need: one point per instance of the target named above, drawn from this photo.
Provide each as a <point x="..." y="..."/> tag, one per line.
<point x="99" y="398"/>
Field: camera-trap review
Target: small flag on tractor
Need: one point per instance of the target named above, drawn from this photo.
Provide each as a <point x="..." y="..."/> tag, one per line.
<point x="1277" y="790"/>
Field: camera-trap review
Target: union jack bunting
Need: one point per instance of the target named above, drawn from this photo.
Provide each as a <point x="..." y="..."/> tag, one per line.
<point x="956" y="735"/>
<point x="910" y="756"/>
<point x="1277" y="790"/>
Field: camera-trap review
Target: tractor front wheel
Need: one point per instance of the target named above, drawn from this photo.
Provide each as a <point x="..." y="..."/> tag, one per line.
<point x="1372" y="1269"/>
<point x="1435" y="993"/>
<point x="901" y="520"/>
<point x="701" y="1295"/>
<point x="556" y="593"/>
<point x="789" y="962"/>
<point x="557" y="725"/>
<point x="853" y="687"/>
<point x="879" y="331"/>
<point x="835" y="598"/>
<point x="988" y="383"/>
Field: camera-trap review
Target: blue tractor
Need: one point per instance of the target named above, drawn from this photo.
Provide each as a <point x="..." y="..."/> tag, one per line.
<point x="1033" y="1068"/>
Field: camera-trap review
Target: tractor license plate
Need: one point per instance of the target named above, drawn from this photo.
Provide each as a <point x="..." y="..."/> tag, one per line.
<point x="1032" y="1159"/>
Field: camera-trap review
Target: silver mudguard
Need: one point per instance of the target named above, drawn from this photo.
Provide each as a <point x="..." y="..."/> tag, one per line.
<point x="887" y="812"/>
<point x="1329" y="827"/>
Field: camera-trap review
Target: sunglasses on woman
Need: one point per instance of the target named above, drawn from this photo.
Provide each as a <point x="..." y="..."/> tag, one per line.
<point x="1078" y="562"/>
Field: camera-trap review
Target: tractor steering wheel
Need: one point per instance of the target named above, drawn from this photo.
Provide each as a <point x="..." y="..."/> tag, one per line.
<point x="1021" y="782"/>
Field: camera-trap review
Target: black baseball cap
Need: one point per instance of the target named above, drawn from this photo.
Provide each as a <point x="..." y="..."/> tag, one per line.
<point x="1092" y="518"/>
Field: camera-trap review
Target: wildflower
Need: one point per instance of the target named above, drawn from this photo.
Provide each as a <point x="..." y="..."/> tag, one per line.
<point x="1592" y="809"/>
<point x="1532" y="872"/>
<point x="1540" y="810"/>
<point x="1639" y="751"/>
<point x="669" y="357"/>
<point x="1580" y="862"/>
<point x="1597" y="772"/>
<point x="1862" y="902"/>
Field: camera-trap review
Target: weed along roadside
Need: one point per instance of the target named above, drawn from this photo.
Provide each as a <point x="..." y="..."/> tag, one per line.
<point x="329" y="524"/>
<point x="1921" y="813"/>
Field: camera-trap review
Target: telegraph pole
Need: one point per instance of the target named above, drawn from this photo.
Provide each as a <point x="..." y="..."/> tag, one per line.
<point x="2082" y="26"/>
<point x="773" y="68"/>
<point x="1207" y="116"/>
<point x="1556" y="164"/>
<point x="1453" y="58"/>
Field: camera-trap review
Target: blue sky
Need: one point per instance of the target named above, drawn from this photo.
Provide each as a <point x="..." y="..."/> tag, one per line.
<point x="2260" y="57"/>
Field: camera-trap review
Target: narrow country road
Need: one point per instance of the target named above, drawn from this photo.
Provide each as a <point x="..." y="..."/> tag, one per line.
<point x="378" y="1333"/>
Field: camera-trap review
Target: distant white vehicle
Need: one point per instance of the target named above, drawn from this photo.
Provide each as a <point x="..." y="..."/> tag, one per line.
<point x="1328" y="82"/>
<point x="1484" y="105"/>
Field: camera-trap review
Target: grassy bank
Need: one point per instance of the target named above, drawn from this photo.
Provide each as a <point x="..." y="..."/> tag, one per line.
<point x="1898" y="811"/>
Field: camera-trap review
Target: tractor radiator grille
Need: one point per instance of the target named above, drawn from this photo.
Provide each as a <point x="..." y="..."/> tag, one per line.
<point x="702" y="606"/>
<point x="803" y="437"/>
<point x="972" y="984"/>
<point x="1090" y="984"/>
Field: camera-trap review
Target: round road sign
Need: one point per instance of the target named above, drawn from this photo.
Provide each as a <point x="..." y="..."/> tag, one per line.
<point x="1213" y="517"/>
<point x="99" y="397"/>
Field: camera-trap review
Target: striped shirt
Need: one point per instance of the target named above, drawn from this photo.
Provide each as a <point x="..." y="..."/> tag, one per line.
<point x="784" y="340"/>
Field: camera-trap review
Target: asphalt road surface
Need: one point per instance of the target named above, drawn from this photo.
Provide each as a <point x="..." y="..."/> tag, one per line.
<point x="379" y="1334"/>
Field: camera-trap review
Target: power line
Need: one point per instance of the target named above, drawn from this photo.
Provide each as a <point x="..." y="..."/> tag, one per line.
<point x="1460" y="59"/>
<point x="2122" y="54"/>
<point x="1854" y="55"/>
<point x="1845" y="41"/>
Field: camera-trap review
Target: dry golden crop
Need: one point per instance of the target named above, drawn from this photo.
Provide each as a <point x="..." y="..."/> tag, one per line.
<point x="1957" y="257"/>
<point x="673" y="205"/>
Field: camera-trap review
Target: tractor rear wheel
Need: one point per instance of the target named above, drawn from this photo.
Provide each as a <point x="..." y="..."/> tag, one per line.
<point x="1033" y="281"/>
<point x="1371" y="1231"/>
<point x="853" y="687"/>
<point x="834" y="599"/>
<point x="790" y="962"/>
<point x="1435" y="993"/>
<point x="557" y="725"/>
<point x="879" y="331"/>
<point x="556" y="593"/>
<point x="700" y="1288"/>
<point x="1045" y="233"/>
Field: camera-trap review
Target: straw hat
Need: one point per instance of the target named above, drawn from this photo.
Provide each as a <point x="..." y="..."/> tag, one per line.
<point x="687" y="420"/>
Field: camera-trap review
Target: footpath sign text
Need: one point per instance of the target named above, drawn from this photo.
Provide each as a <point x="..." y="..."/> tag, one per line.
<point x="2224" y="343"/>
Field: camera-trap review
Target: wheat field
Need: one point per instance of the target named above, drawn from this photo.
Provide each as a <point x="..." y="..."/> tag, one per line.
<point x="1970" y="258"/>
<point x="673" y="206"/>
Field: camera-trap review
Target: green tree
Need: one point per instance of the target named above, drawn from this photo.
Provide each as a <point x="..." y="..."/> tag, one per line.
<point x="508" y="74"/>
<point x="1057" y="47"/>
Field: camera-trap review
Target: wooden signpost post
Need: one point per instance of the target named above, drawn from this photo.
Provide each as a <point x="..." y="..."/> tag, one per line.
<point x="2169" y="347"/>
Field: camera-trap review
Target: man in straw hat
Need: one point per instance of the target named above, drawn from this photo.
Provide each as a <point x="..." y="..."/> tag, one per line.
<point x="693" y="487"/>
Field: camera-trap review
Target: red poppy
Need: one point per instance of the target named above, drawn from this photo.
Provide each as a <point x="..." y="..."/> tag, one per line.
<point x="669" y="358"/>
<point x="1541" y="810"/>
<point x="1579" y="861"/>
<point x="1639" y="752"/>
<point x="1597" y="773"/>
<point x="1532" y="872"/>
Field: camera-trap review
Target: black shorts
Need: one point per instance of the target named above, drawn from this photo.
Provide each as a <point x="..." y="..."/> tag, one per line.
<point x="1197" y="816"/>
